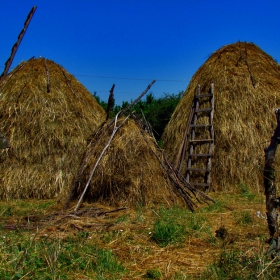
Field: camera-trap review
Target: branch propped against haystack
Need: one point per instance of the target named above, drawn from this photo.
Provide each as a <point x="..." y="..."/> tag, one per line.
<point x="99" y="134"/>
<point x="129" y="169"/>
<point x="183" y="188"/>
<point x="115" y="129"/>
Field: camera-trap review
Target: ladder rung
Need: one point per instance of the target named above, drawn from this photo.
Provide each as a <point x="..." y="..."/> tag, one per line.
<point x="204" y="110"/>
<point x="200" y="155"/>
<point x="201" y="125"/>
<point x="198" y="169"/>
<point x="204" y="95"/>
<point x="200" y="184"/>
<point x="202" y="140"/>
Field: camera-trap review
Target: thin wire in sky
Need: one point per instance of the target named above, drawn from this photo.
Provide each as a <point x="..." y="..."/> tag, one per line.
<point x="130" y="78"/>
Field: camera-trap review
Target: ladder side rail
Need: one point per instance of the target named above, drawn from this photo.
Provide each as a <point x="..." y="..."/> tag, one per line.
<point x="194" y="120"/>
<point x="211" y="144"/>
<point x="182" y="150"/>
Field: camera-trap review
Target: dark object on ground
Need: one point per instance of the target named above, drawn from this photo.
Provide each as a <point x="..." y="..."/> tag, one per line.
<point x="4" y="142"/>
<point x="222" y="232"/>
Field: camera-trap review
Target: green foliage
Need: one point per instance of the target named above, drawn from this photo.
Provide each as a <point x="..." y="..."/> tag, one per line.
<point x="245" y="191"/>
<point x="167" y="231"/>
<point x="233" y="264"/>
<point x="102" y="103"/>
<point x="216" y="207"/>
<point x="157" y="111"/>
<point x="245" y="218"/>
<point x="122" y="219"/>
<point x="227" y="266"/>
<point x="107" y="263"/>
<point x="45" y="258"/>
<point x="195" y="222"/>
<point x="153" y="274"/>
<point x="170" y="227"/>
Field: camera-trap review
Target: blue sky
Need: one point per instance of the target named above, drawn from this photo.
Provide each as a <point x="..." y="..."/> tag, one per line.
<point x="130" y="43"/>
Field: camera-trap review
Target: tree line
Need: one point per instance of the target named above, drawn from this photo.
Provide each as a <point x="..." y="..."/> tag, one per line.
<point x="157" y="111"/>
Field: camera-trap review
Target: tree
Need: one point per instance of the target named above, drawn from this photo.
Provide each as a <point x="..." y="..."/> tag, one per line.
<point x="157" y="111"/>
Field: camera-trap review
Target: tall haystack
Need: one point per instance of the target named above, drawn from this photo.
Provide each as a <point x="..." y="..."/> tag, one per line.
<point x="47" y="115"/>
<point x="247" y="91"/>
<point x="131" y="170"/>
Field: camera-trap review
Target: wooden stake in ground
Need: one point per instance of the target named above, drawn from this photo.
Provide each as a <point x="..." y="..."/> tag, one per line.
<point x="111" y="102"/>
<point x="16" y="45"/>
<point x="272" y="203"/>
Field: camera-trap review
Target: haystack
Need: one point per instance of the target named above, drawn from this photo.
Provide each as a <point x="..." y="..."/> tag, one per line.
<point x="131" y="171"/>
<point x="47" y="115"/>
<point x="247" y="91"/>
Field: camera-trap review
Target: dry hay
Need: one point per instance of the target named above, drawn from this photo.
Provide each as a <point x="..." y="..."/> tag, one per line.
<point x="47" y="116"/>
<point x="131" y="171"/>
<point x="127" y="233"/>
<point x="247" y="91"/>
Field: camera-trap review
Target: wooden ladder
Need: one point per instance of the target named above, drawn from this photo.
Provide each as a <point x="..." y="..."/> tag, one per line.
<point x="200" y="138"/>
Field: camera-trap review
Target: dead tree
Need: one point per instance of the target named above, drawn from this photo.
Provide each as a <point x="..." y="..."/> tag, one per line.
<point x="110" y="103"/>
<point x="272" y="202"/>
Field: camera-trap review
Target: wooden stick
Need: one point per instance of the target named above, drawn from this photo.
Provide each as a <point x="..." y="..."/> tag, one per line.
<point x="116" y="128"/>
<point x="137" y="99"/>
<point x="91" y="145"/>
<point x="16" y="45"/>
<point x="111" y="102"/>
<point x="269" y="178"/>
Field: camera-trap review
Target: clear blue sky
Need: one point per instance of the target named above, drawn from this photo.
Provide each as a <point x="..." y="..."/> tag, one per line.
<point x="130" y="43"/>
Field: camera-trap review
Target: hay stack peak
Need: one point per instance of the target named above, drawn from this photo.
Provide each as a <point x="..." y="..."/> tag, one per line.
<point x="47" y="116"/>
<point x="247" y="91"/>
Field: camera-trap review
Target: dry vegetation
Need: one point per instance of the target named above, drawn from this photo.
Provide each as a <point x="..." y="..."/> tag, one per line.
<point x="131" y="236"/>
<point x="47" y="115"/>
<point x="131" y="172"/>
<point x="136" y="225"/>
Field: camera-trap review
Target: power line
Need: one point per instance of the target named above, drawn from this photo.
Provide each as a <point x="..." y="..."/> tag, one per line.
<point x="130" y="78"/>
<point x="126" y="78"/>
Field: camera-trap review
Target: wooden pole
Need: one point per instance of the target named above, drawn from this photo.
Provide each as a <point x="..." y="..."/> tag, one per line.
<point x="16" y="45"/>
<point x="116" y="128"/>
<point x="110" y="103"/>
<point x="272" y="202"/>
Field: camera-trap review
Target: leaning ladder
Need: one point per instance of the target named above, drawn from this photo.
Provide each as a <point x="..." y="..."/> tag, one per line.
<point x="200" y="139"/>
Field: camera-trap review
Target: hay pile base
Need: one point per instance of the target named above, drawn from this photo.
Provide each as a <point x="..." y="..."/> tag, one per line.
<point x="132" y="171"/>
<point x="247" y="91"/>
<point x="47" y="115"/>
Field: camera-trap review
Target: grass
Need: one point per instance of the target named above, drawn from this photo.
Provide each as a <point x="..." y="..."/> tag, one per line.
<point x="145" y="243"/>
<point x="170" y="227"/>
<point x="245" y="218"/>
<point x="235" y="264"/>
<point x="47" y="258"/>
<point x="245" y="191"/>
